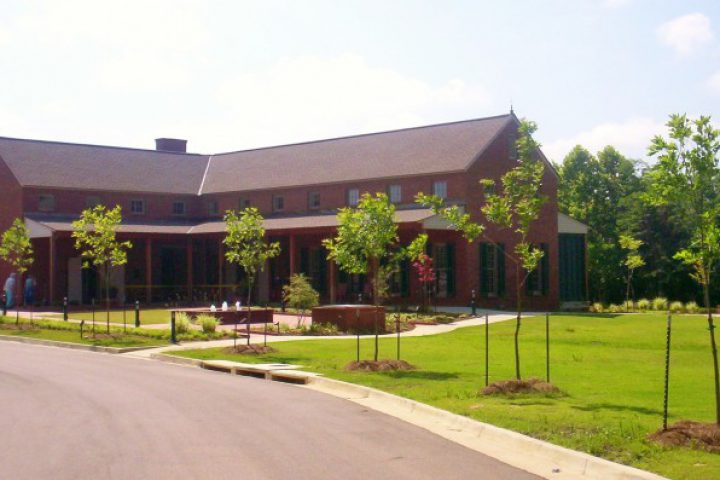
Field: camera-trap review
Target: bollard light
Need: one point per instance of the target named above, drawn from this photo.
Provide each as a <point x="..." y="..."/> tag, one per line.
<point x="473" y="303"/>
<point x="65" y="309"/>
<point x="137" y="313"/>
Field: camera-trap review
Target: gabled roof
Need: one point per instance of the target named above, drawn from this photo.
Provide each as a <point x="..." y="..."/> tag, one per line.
<point x="442" y="148"/>
<point x="92" y="167"/>
<point x="448" y="147"/>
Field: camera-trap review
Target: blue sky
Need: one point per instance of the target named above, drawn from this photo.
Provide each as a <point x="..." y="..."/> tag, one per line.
<point x="229" y="75"/>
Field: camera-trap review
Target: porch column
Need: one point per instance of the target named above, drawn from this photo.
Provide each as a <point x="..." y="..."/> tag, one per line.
<point x="292" y="254"/>
<point x="148" y="270"/>
<point x="51" y="270"/>
<point x="189" y="256"/>
<point x="221" y="261"/>
<point x="332" y="280"/>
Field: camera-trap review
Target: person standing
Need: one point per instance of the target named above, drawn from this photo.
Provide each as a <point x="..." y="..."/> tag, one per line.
<point x="29" y="290"/>
<point x="10" y="290"/>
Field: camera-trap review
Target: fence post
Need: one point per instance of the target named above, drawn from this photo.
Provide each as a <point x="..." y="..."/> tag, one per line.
<point x="65" y="309"/>
<point x="173" y="337"/>
<point x="3" y="298"/>
<point x="93" y="317"/>
<point x="547" y="346"/>
<point x="487" y="351"/>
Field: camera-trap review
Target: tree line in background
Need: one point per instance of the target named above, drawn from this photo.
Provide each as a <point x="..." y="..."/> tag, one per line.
<point x="651" y="202"/>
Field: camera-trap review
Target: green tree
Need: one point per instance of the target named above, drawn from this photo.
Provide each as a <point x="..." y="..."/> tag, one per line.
<point x="95" y="234"/>
<point x="245" y="246"/>
<point x="515" y="208"/>
<point x="632" y="261"/>
<point x="16" y="249"/>
<point x="598" y="191"/>
<point x="300" y="294"/>
<point x="687" y="174"/>
<point x="367" y="242"/>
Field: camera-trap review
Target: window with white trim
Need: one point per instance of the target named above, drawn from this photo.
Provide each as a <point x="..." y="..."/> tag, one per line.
<point x="353" y="197"/>
<point x="395" y="193"/>
<point x="178" y="208"/>
<point x="46" y="202"/>
<point x="278" y="203"/>
<point x="137" y="207"/>
<point x="440" y="189"/>
<point x="314" y="200"/>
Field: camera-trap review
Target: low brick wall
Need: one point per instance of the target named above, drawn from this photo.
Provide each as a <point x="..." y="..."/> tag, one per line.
<point x="348" y="318"/>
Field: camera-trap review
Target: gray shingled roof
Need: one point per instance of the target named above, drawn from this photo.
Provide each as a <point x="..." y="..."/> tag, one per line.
<point x="422" y="150"/>
<point x="449" y="147"/>
<point x="90" y="167"/>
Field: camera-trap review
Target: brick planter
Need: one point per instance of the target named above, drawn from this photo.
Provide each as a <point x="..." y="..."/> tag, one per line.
<point x="350" y="317"/>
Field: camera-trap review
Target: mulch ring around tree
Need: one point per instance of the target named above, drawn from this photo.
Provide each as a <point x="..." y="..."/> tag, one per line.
<point x="520" y="387"/>
<point x="250" y="349"/>
<point x="703" y="436"/>
<point x="379" y="365"/>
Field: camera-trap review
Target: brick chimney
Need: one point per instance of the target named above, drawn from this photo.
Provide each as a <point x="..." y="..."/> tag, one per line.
<point x="171" y="145"/>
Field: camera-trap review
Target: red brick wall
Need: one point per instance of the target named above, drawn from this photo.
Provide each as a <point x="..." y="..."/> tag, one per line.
<point x="10" y="209"/>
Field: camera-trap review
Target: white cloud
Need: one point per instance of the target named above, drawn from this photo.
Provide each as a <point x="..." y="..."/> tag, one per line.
<point x="713" y="83"/>
<point x="615" y="3"/>
<point x="630" y="137"/>
<point x="687" y="33"/>
<point x="312" y="97"/>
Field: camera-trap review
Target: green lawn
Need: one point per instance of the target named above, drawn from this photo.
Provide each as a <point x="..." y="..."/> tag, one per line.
<point x="71" y="333"/>
<point x="147" y="317"/>
<point x="610" y="368"/>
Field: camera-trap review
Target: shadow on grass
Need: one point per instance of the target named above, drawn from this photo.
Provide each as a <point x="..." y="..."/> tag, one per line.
<point x="584" y="314"/>
<point x="594" y="407"/>
<point x="420" y="375"/>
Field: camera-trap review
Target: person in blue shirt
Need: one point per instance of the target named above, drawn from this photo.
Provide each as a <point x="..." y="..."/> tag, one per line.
<point x="10" y="290"/>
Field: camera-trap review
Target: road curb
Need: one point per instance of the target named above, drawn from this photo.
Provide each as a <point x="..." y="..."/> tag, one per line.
<point x="530" y="454"/>
<point x="176" y="360"/>
<point x="74" y="346"/>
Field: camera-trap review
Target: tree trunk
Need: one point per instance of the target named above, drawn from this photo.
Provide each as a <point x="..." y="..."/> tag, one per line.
<point x="107" y="298"/>
<point x="627" y="291"/>
<point x="517" y="323"/>
<point x="375" y="302"/>
<point x="251" y="281"/>
<point x="713" y="345"/>
<point x="18" y="291"/>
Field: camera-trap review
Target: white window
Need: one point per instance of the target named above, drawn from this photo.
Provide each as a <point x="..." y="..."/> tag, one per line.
<point x="353" y="197"/>
<point x="213" y="208"/>
<point x="46" y="203"/>
<point x="137" y="207"/>
<point x="178" y="208"/>
<point x="244" y="203"/>
<point x="395" y="193"/>
<point x="440" y="189"/>
<point x="278" y="203"/>
<point x="314" y="200"/>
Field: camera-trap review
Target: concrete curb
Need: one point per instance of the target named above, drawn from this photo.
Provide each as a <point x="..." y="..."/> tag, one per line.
<point x="532" y="455"/>
<point x="176" y="360"/>
<point x="74" y="346"/>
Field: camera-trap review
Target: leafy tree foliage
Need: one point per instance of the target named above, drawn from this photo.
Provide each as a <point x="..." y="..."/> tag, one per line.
<point x="633" y="261"/>
<point x="300" y="294"/>
<point x="367" y="242"/>
<point x="95" y="234"/>
<point x="16" y="249"/>
<point x="245" y="246"/>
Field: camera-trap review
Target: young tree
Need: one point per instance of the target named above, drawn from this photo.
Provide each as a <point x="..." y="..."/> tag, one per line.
<point x="632" y="261"/>
<point x="16" y="249"/>
<point x="245" y="246"/>
<point x="426" y="275"/>
<point x="95" y="235"/>
<point x="300" y="294"/>
<point x="687" y="174"/>
<point x="366" y="239"/>
<point x="515" y="208"/>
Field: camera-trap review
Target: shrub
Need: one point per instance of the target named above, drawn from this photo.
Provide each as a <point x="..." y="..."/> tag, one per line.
<point x="692" y="307"/>
<point x="677" y="307"/>
<point x="660" y="303"/>
<point x="615" y="308"/>
<point x="182" y="323"/>
<point x="643" y="304"/>
<point x="597" y="307"/>
<point x="321" y="329"/>
<point x="300" y="295"/>
<point x="208" y="323"/>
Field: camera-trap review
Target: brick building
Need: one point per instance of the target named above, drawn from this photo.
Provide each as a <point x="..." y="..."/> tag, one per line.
<point x="173" y="202"/>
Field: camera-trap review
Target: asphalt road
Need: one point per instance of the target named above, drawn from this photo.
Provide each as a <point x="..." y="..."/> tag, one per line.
<point x="68" y="414"/>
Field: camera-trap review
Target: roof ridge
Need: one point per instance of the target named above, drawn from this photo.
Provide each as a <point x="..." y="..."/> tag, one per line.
<point x="382" y="132"/>
<point x="93" y="145"/>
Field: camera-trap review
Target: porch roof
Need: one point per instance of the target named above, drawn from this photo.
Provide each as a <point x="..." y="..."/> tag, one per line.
<point x="44" y="226"/>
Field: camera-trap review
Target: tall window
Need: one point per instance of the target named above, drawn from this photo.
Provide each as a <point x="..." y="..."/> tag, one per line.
<point x="538" y="282"/>
<point x="278" y="203"/>
<point x="137" y="207"/>
<point x="213" y="208"/>
<point x="178" y="208"/>
<point x="492" y="269"/>
<point x="440" y="189"/>
<point x="353" y="197"/>
<point x="395" y="193"/>
<point x="314" y="200"/>
<point x="444" y="260"/>
<point x="243" y="203"/>
<point x="46" y="203"/>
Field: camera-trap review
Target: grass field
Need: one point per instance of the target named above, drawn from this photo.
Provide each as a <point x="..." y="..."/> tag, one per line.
<point x="147" y="317"/>
<point x="71" y="333"/>
<point x="610" y="369"/>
